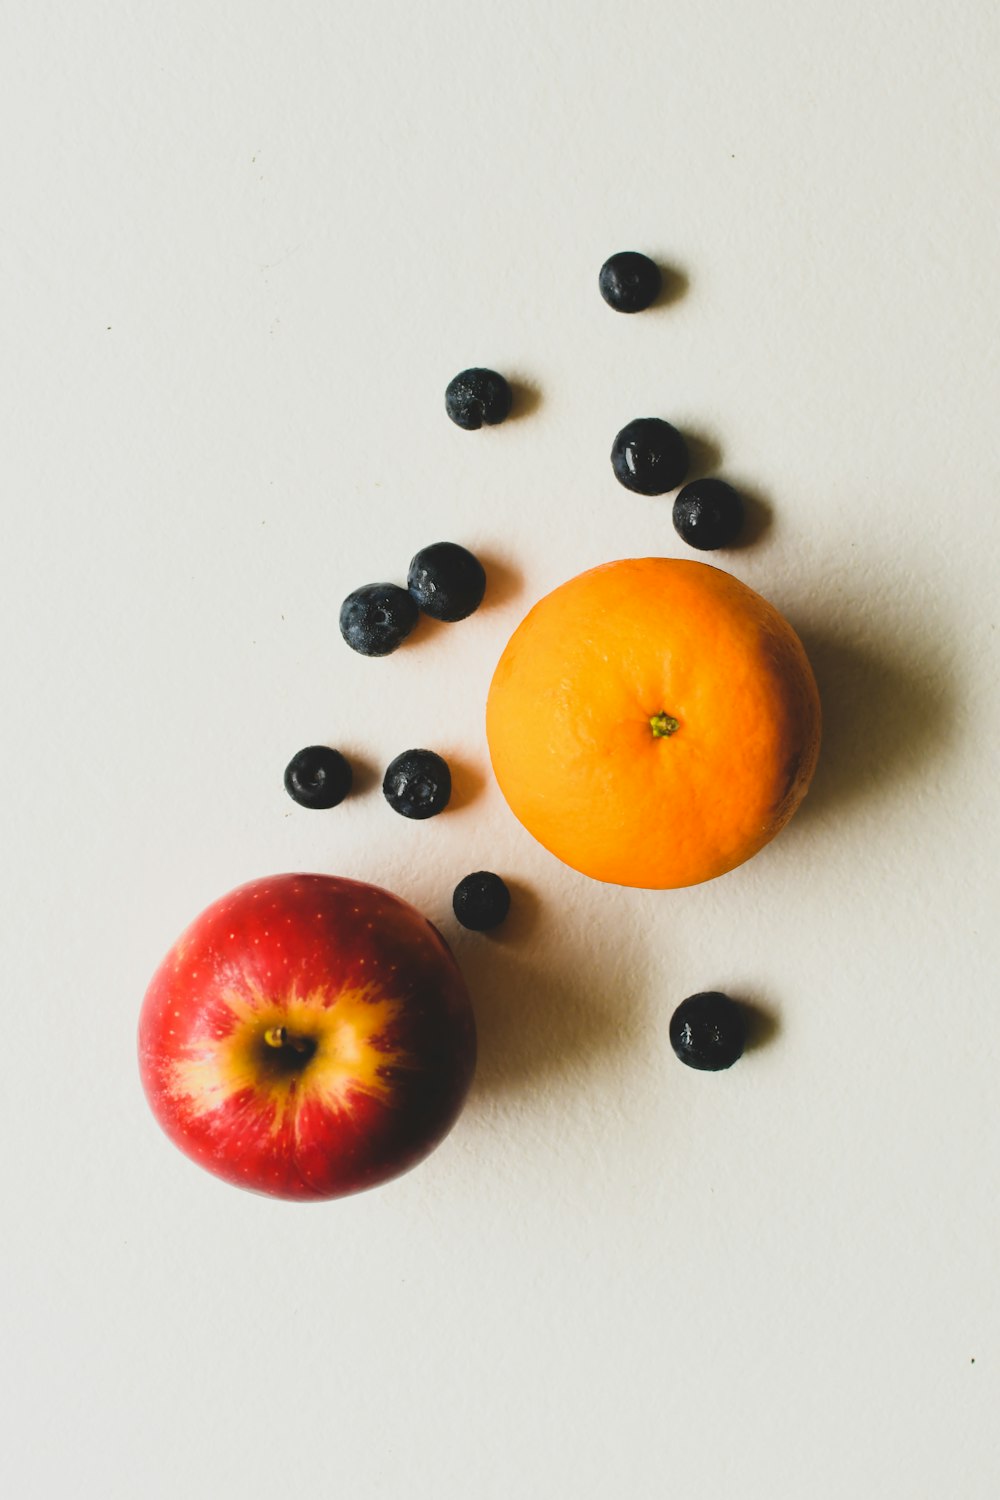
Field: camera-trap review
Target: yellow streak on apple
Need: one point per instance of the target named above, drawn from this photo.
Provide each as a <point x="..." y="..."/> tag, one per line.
<point x="344" y="1027"/>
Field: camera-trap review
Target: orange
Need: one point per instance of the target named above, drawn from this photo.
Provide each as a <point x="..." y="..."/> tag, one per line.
<point x="653" y="722"/>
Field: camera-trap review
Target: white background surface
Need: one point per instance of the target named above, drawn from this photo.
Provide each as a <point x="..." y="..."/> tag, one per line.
<point x="245" y="246"/>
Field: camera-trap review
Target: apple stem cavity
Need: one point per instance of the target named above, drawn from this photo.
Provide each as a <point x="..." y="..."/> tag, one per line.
<point x="663" y="724"/>
<point x="288" y="1050"/>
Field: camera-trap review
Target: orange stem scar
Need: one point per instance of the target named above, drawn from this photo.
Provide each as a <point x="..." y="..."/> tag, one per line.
<point x="663" y="724"/>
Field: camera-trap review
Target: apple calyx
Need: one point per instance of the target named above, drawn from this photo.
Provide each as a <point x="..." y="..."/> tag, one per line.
<point x="288" y="1050"/>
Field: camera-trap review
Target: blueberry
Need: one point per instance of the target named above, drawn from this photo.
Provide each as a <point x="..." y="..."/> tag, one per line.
<point x="446" y="581"/>
<point x="477" y="396"/>
<point x="708" y="1031"/>
<point x="649" y="456"/>
<point x="708" y="513"/>
<point x="629" y="281"/>
<point x="318" y="777"/>
<point x="481" y="901"/>
<point x="377" y="618"/>
<point x="417" y="784"/>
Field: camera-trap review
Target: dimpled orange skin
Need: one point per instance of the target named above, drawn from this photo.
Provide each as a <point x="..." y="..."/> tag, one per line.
<point x="570" y="710"/>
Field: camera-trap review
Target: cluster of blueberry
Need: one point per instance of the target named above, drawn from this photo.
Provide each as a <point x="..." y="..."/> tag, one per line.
<point x="649" y="456"/>
<point x="416" y="784"/>
<point x="446" y="582"/>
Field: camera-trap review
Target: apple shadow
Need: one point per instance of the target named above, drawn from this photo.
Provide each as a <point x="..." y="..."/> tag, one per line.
<point x="560" y="1011"/>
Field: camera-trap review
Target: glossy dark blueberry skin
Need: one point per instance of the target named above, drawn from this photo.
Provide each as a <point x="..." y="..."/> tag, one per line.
<point x="481" y="901"/>
<point x="708" y="1031"/>
<point x="377" y="618"/>
<point x="477" y="396"/>
<point x="630" y="282"/>
<point x="446" y="581"/>
<point x="708" y="513"/>
<point x="318" y="777"/>
<point x="417" y="784"/>
<point x="649" y="456"/>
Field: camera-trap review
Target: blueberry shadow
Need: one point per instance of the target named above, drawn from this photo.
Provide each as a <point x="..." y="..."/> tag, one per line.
<point x="503" y="581"/>
<point x="889" y="709"/>
<point x="366" y="776"/>
<point x="426" y="631"/>
<point x="467" y="783"/>
<point x="762" y="1025"/>
<point x="522" y="919"/>
<point x="526" y="398"/>
<point x="674" y="285"/>
<point x="758" y="517"/>
<point x="704" y="454"/>
<point x="563" y="1011"/>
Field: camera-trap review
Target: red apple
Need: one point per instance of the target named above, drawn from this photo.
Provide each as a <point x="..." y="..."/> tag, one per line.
<point x="307" y="1037"/>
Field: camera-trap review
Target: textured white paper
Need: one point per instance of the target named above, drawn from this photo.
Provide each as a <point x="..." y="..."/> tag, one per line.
<point x="244" y="248"/>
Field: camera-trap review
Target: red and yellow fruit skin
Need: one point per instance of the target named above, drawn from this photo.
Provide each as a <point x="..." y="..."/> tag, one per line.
<point x="365" y="979"/>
